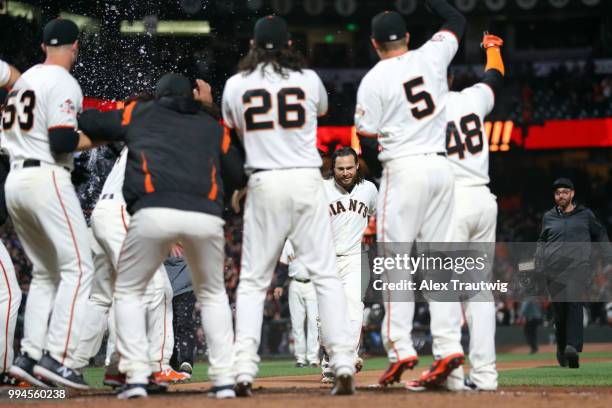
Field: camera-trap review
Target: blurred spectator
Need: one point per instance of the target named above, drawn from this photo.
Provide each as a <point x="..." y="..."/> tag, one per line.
<point x="531" y="318"/>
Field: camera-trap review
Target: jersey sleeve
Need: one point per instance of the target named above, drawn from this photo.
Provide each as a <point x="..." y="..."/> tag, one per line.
<point x="483" y="98"/>
<point x="323" y="103"/>
<point x="441" y="48"/>
<point x="373" y="199"/>
<point x="226" y="106"/>
<point x="65" y="103"/>
<point x="5" y="73"/>
<point x="369" y="110"/>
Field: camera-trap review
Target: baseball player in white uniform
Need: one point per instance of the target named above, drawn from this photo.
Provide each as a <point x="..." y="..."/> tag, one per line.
<point x="401" y="101"/>
<point x="351" y="201"/>
<point x="109" y="221"/>
<point x="273" y="103"/>
<point x="302" y="308"/>
<point x="475" y="207"/>
<point x="39" y="124"/>
<point x="10" y="293"/>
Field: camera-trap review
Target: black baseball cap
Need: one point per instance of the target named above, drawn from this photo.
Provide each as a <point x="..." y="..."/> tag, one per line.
<point x="60" y="32"/>
<point x="271" y="33"/>
<point x="388" y="26"/>
<point x="173" y="84"/>
<point x="563" y="182"/>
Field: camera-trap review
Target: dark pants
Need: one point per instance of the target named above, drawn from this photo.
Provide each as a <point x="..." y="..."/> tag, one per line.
<point x="568" y="324"/>
<point x="531" y="333"/>
<point x="184" y="324"/>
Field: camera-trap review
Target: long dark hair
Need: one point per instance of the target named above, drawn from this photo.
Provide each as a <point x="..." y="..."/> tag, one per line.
<point x="281" y="60"/>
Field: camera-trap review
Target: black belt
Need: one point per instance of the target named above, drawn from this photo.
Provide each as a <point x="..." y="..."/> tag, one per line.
<point x="36" y="163"/>
<point x="441" y="154"/>
<point x="107" y="197"/>
<point x="301" y="280"/>
<point x="286" y="168"/>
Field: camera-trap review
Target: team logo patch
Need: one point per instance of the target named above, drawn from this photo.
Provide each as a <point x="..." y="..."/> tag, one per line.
<point x="438" y="37"/>
<point x="359" y="111"/>
<point x="68" y="107"/>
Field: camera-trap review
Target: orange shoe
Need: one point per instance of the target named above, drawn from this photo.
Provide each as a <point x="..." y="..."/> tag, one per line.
<point x="394" y="372"/>
<point x="169" y="376"/>
<point x="439" y="371"/>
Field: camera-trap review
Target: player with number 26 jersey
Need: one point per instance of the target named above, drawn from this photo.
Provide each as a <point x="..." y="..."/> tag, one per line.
<point x="276" y="116"/>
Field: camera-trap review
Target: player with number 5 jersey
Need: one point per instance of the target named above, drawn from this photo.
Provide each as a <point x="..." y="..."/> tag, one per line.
<point x="401" y="101"/>
<point x="273" y="103"/>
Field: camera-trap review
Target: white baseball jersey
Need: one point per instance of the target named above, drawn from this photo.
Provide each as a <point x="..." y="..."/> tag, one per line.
<point x="276" y="116"/>
<point x="44" y="97"/>
<point x="5" y="73"/>
<point x="296" y="268"/>
<point x="402" y="99"/>
<point x="349" y="213"/>
<point x="466" y="142"/>
<point x="114" y="181"/>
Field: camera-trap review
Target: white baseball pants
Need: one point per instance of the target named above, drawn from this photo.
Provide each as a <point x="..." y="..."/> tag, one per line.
<point x="109" y="221"/>
<point x="151" y="234"/>
<point x="50" y="224"/>
<point x="10" y="299"/>
<point x="303" y="309"/>
<point x="349" y="269"/>
<point x="416" y="203"/>
<point x="290" y="204"/>
<point x="476" y="221"/>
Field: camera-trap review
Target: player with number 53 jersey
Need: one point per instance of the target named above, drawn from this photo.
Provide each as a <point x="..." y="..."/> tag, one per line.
<point x="273" y="103"/>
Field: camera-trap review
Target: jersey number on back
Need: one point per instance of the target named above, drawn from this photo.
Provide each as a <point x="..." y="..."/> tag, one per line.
<point x="471" y="129"/>
<point x="422" y="97"/>
<point x="10" y="115"/>
<point x="285" y="108"/>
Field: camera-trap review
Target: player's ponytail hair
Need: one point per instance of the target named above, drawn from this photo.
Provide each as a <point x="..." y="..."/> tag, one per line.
<point x="282" y="60"/>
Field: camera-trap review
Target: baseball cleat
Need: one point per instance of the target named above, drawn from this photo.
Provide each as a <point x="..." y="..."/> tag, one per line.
<point x="23" y="369"/>
<point x="571" y="355"/>
<point x="395" y="370"/>
<point x="299" y="364"/>
<point x="52" y="370"/>
<point x="344" y="383"/>
<point x="327" y="378"/>
<point x="133" y="391"/>
<point x="222" y="392"/>
<point x="314" y="364"/>
<point x="244" y="389"/>
<point x="186" y="368"/>
<point x="170" y="376"/>
<point x="440" y="370"/>
<point x="415" y="386"/>
<point x="114" y="380"/>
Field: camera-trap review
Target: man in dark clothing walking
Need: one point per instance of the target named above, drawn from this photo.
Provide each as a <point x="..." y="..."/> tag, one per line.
<point x="564" y="256"/>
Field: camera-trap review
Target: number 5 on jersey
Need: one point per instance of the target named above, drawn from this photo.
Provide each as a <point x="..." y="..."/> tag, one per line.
<point x="27" y="100"/>
<point x="290" y="114"/>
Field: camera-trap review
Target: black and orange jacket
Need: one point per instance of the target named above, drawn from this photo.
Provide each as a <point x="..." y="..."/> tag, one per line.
<point x="178" y="156"/>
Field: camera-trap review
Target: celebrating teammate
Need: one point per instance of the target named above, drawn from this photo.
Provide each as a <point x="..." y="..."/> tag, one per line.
<point x="475" y="207"/>
<point x="109" y="221"/>
<point x="302" y="307"/>
<point x="401" y="101"/>
<point x="173" y="189"/>
<point x="273" y="103"/>
<point x="39" y="124"/>
<point x="351" y="200"/>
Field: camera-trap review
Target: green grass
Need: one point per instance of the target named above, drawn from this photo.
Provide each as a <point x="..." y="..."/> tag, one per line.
<point x="589" y="374"/>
